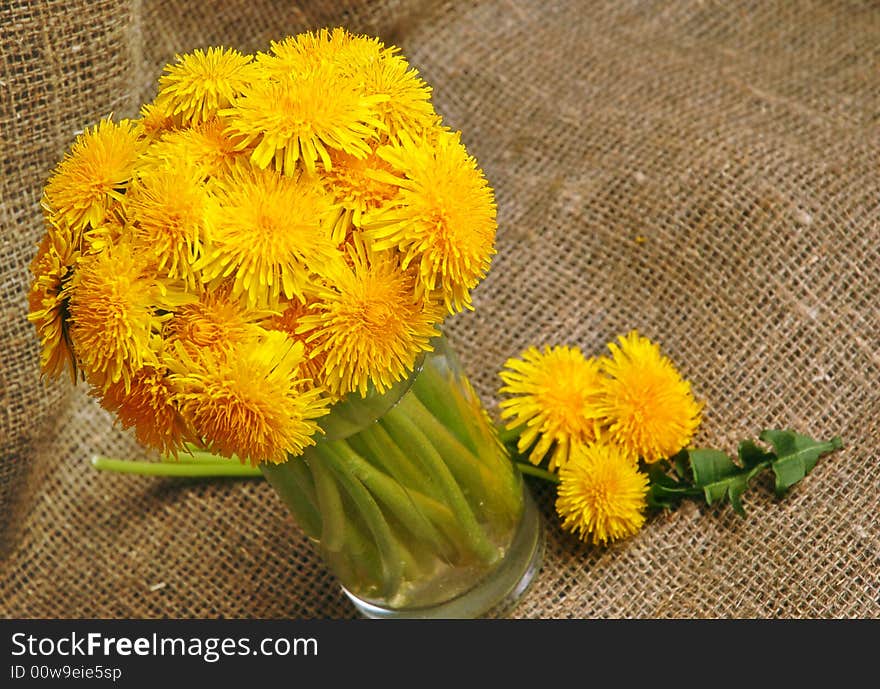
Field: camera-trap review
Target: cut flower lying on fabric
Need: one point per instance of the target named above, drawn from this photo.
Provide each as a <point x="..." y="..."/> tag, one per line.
<point x="613" y="432"/>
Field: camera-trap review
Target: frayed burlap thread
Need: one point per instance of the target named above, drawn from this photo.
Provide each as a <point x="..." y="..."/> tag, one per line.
<point x="704" y="172"/>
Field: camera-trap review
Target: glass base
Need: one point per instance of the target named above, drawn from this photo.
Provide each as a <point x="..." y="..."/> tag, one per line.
<point x="496" y="594"/>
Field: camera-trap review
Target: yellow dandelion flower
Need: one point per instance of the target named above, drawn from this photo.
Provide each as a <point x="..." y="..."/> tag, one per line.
<point x="249" y="399"/>
<point x="111" y="230"/>
<point x="356" y="189"/>
<point x="66" y="240"/>
<point x="289" y="320"/>
<point x="443" y="216"/>
<point x="302" y="118"/>
<point x="306" y="52"/>
<point x="113" y="315"/>
<point x="270" y="233"/>
<point x="150" y="406"/>
<point x="555" y="397"/>
<point x="200" y="83"/>
<point x="93" y="174"/>
<point x="649" y="408"/>
<point x="374" y="69"/>
<point x="368" y="324"/>
<point x="215" y="321"/>
<point x="167" y="208"/>
<point x="48" y="307"/>
<point x="205" y="147"/>
<point x="406" y="106"/>
<point x="602" y="494"/>
<point x="153" y="121"/>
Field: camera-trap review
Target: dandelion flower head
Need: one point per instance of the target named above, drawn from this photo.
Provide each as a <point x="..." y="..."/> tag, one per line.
<point x="368" y="325"/>
<point x="249" y="400"/>
<point x="113" y="315"/>
<point x="212" y="321"/>
<point x="205" y="148"/>
<point x="153" y="122"/>
<point x="168" y="207"/>
<point x="602" y="494"/>
<point x="554" y="394"/>
<point x="270" y="232"/>
<point x="357" y="186"/>
<point x="401" y="100"/>
<point x="48" y="302"/>
<point x="442" y="219"/>
<point x="93" y="174"/>
<point x="289" y="319"/>
<point x="150" y="406"/>
<point x="300" y="118"/>
<point x="649" y="408"/>
<point x="198" y="84"/>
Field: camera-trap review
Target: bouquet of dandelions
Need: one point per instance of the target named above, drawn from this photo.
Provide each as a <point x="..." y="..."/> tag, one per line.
<point x="257" y="266"/>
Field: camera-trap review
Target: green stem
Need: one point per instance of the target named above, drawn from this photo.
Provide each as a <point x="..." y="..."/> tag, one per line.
<point x="385" y="450"/>
<point x="332" y="511"/>
<point x="343" y="536"/>
<point x="402" y="503"/>
<point x="510" y="435"/>
<point x="296" y="487"/>
<point x="461" y="460"/>
<point x="448" y="411"/>
<point x="124" y="466"/>
<point x="432" y="390"/>
<point x="359" y="563"/>
<point x="532" y="470"/>
<point x="408" y="435"/>
<point x="394" y="557"/>
<point x="378" y="450"/>
<point x="484" y="477"/>
<point x="198" y="457"/>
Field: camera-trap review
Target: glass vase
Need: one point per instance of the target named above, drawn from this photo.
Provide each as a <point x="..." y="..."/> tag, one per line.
<point x="413" y="502"/>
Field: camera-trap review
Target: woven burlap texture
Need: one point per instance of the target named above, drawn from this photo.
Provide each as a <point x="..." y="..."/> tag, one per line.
<point x="704" y="172"/>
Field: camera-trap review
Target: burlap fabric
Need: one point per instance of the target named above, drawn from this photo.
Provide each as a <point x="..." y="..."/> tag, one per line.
<point x="706" y="172"/>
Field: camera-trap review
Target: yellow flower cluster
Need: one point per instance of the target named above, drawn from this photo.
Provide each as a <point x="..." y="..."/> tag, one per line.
<point x="273" y="232"/>
<point x="594" y="420"/>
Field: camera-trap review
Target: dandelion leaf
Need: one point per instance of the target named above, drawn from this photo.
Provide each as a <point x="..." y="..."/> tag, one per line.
<point x="666" y="491"/>
<point x="721" y="478"/>
<point x="796" y="455"/>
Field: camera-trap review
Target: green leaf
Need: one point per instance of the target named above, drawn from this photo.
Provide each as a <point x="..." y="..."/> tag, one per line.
<point x="721" y="478"/>
<point x="666" y="491"/>
<point x="710" y="466"/>
<point x="679" y="464"/>
<point x="750" y="455"/>
<point x="796" y="455"/>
